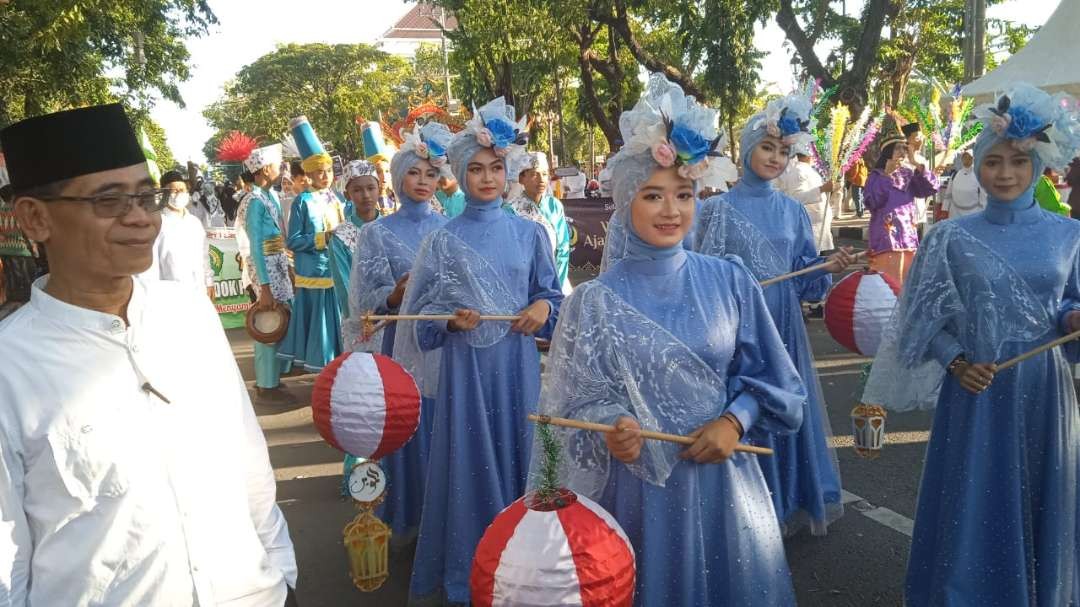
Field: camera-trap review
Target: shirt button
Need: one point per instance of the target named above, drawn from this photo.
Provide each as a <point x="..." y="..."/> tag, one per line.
<point x="117" y="325"/>
<point x="135" y="348"/>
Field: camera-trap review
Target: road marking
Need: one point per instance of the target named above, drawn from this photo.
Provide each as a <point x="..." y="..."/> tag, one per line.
<point x="880" y="514"/>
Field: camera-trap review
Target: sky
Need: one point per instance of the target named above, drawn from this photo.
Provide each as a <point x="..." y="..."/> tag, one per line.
<point x="249" y="29"/>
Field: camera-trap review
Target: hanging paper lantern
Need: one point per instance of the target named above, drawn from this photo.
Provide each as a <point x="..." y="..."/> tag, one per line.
<point x="563" y="551"/>
<point x="858" y="310"/>
<point x="868" y="430"/>
<point x="365" y="404"/>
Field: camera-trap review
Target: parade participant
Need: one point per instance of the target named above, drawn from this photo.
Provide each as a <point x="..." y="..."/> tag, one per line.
<point x="964" y="195"/>
<point x="264" y="223"/>
<point x="997" y="515"/>
<point x="771" y="233"/>
<point x="385" y="256"/>
<point x="450" y="197"/>
<point x="314" y="337"/>
<point x="248" y="278"/>
<point x="915" y="141"/>
<point x="122" y="480"/>
<point x="1047" y="195"/>
<point x="180" y="252"/>
<point x="673" y="341"/>
<point x="485" y="261"/>
<point x="889" y="195"/>
<point x="533" y="202"/>
<point x="297" y="184"/>
<point x="378" y="153"/>
<point x="361" y="208"/>
<point x="802" y="183"/>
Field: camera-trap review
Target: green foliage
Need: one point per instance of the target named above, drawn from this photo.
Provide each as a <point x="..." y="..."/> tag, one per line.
<point x="548" y="485"/>
<point x="59" y="54"/>
<point x="333" y="85"/>
<point x="165" y="158"/>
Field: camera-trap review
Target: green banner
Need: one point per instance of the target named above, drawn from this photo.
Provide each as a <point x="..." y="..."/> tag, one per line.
<point x="230" y="298"/>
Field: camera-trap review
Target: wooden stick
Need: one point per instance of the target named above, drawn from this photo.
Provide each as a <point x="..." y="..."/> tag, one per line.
<point x="1012" y="362"/>
<point x="783" y="277"/>
<point x="393" y="317"/>
<point x="671" y="438"/>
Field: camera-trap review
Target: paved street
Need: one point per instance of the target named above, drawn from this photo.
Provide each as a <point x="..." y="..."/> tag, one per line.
<point x="860" y="562"/>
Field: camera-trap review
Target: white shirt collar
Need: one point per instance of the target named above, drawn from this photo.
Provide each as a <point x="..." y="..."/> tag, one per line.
<point x="85" y="318"/>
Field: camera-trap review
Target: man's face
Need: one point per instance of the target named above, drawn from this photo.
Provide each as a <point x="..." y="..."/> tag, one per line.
<point x="915" y="141"/>
<point x="364" y="194"/>
<point x="535" y="182"/>
<point x="300" y="184"/>
<point x="967" y="160"/>
<point x="382" y="169"/>
<point x="320" y="178"/>
<point x="79" y="242"/>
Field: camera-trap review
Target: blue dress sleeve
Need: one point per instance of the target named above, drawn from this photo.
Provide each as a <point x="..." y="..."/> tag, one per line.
<point x="373" y="279"/>
<point x="1070" y="302"/>
<point x="544" y="280"/>
<point x="764" y="387"/>
<point x="253" y="224"/>
<point x="815" y="285"/>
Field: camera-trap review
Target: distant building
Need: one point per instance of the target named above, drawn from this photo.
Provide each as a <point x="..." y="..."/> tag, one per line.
<point x="418" y="25"/>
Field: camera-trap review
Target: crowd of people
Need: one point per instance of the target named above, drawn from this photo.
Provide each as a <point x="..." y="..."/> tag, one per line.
<point x="103" y="501"/>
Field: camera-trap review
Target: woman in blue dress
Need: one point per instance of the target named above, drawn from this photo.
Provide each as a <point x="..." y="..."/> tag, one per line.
<point x="772" y="235"/>
<point x="670" y="340"/>
<point x="384" y="256"/>
<point x="996" y="522"/>
<point x="484" y="261"/>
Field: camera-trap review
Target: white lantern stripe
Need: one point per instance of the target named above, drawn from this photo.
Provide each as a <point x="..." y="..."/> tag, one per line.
<point x="358" y="380"/>
<point x="537" y="565"/>
<point x="871" y="316"/>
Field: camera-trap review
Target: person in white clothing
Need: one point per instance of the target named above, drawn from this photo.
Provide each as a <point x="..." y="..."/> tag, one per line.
<point x="180" y="252"/>
<point x="964" y="195"/>
<point x="122" y="481"/>
<point x="915" y="142"/>
<point x="801" y="182"/>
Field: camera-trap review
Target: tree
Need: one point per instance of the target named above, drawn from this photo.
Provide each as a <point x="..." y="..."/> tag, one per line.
<point x="59" y="54"/>
<point x="335" y="86"/>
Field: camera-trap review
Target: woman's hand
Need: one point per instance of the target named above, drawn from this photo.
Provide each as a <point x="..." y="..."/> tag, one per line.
<point x="1072" y="321"/>
<point x="532" y="318"/>
<point x="464" y="320"/>
<point x="393" y="301"/>
<point x="625" y="443"/>
<point x="265" y="300"/>
<point x="715" y="442"/>
<point x="975" y="377"/>
<point x="841" y="259"/>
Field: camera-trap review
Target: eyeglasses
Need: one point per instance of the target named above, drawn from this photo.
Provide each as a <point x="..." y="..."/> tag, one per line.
<point x="114" y="204"/>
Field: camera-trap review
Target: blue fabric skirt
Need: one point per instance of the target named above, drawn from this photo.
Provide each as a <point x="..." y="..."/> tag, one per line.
<point x="314" y="330"/>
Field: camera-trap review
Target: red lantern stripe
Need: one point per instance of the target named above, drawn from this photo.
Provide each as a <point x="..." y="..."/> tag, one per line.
<point x="402" y="406"/>
<point x="606" y="577"/>
<point x="839" y="310"/>
<point x="320" y="400"/>
<point x="494" y="543"/>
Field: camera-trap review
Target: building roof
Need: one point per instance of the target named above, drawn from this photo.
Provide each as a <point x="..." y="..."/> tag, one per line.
<point x="420" y="23"/>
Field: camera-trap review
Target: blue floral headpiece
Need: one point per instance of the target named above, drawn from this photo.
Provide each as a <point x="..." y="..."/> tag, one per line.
<point x="494" y="127"/>
<point x="788" y="119"/>
<point x="431" y="143"/>
<point x="1036" y="122"/>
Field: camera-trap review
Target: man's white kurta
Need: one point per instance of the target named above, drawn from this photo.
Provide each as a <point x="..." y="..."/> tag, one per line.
<point x="964" y="195"/>
<point x="108" y="494"/>
<point x="180" y="252"/>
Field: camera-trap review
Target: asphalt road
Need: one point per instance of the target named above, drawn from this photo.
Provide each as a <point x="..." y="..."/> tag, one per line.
<point x="860" y="562"/>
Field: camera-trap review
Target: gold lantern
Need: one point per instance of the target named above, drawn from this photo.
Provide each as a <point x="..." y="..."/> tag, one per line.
<point x="868" y="430"/>
<point x="367" y="539"/>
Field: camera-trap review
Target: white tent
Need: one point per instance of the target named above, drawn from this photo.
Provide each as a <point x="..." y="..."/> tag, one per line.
<point x="1050" y="60"/>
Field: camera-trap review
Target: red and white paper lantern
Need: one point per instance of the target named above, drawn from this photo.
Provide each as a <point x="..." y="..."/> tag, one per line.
<point x="573" y="555"/>
<point x="858" y="310"/>
<point x="365" y="404"/>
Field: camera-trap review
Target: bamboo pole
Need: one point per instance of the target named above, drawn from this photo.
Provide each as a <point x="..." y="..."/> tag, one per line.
<point x="671" y="438"/>
<point x="1012" y="362"/>
<point x="790" y="275"/>
<point x="395" y="317"/>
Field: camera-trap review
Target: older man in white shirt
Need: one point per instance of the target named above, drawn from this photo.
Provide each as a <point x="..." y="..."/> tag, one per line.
<point x="803" y="183"/>
<point x="122" y="482"/>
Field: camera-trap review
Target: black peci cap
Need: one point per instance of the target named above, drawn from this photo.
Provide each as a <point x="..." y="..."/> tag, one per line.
<point x="910" y="128"/>
<point x="55" y="147"/>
